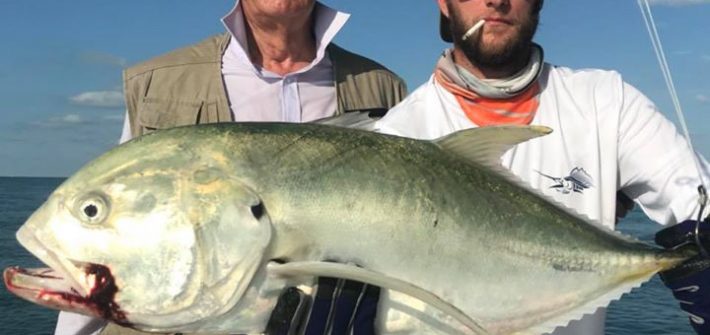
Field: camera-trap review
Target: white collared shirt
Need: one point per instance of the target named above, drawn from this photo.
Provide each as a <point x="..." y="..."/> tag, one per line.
<point x="256" y="94"/>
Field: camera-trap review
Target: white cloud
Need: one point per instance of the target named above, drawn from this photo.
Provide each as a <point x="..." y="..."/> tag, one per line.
<point x="107" y="99"/>
<point x="66" y="120"/>
<point x="71" y="118"/>
<point x="702" y="98"/>
<point x="74" y="120"/>
<point x="678" y="2"/>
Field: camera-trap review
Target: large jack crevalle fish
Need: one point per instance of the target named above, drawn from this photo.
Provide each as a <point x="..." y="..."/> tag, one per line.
<point x="179" y="230"/>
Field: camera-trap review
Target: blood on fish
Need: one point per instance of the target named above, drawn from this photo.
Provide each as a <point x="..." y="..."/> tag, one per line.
<point x="103" y="293"/>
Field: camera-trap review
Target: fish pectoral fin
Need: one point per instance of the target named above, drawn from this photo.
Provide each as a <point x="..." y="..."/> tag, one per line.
<point x="485" y="145"/>
<point x="363" y="120"/>
<point x="352" y="272"/>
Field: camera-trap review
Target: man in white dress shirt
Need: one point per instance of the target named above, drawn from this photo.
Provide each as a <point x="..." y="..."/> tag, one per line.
<point x="276" y="62"/>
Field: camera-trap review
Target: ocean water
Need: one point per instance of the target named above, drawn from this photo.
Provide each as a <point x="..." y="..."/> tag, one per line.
<point x="648" y="310"/>
<point x="19" y="197"/>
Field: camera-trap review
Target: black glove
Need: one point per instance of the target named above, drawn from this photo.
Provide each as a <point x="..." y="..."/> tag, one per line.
<point x="339" y="307"/>
<point x="690" y="281"/>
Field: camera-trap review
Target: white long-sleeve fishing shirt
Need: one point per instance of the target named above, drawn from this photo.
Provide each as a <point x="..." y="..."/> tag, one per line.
<point x="607" y="137"/>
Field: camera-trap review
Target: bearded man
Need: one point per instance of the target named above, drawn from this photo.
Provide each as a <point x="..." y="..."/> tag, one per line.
<point x="609" y="141"/>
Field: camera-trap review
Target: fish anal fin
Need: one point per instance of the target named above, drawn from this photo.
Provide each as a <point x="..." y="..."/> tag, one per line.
<point x="591" y="306"/>
<point x="363" y="120"/>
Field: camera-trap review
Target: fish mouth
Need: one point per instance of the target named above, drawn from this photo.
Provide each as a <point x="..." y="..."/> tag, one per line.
<point x="65" y="284"/>
<point x="50" y="288"/>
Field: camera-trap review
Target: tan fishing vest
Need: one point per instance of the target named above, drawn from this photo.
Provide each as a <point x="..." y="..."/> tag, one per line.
<point x="185" y="87"/>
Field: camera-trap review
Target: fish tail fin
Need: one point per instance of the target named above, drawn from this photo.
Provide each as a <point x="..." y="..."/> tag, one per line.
<point x="682" y="260"/>
<point x="654" y="261"/>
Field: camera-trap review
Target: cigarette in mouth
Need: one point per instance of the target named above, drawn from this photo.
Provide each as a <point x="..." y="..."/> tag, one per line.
<point x="473" y="29"/>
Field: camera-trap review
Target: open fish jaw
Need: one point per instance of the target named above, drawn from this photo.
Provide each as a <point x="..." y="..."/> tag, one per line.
<point x="47" y="287"/>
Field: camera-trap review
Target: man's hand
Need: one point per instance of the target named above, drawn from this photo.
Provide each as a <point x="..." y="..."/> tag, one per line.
<point x="690" y="281"/>
<point x="338" y="307"/>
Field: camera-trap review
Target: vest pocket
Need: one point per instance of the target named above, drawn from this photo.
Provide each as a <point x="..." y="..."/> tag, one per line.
<point x="162" y="114"/>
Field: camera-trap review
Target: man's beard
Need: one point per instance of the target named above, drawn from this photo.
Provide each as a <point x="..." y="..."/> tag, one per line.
<point x="514" y="53"/>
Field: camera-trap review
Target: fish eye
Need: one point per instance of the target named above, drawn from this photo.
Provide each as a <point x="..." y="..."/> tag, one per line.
<point x="93" y="209"/>
<point x="90" y="210"/>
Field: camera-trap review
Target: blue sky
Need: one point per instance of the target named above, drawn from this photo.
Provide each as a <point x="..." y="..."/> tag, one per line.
<point x="60" y="68"/>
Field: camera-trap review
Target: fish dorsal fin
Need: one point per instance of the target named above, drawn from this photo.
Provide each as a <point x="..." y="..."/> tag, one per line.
<point x="354" y="120"/>
<point x="345" y="271"/>
<point x="485" y="145"/>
